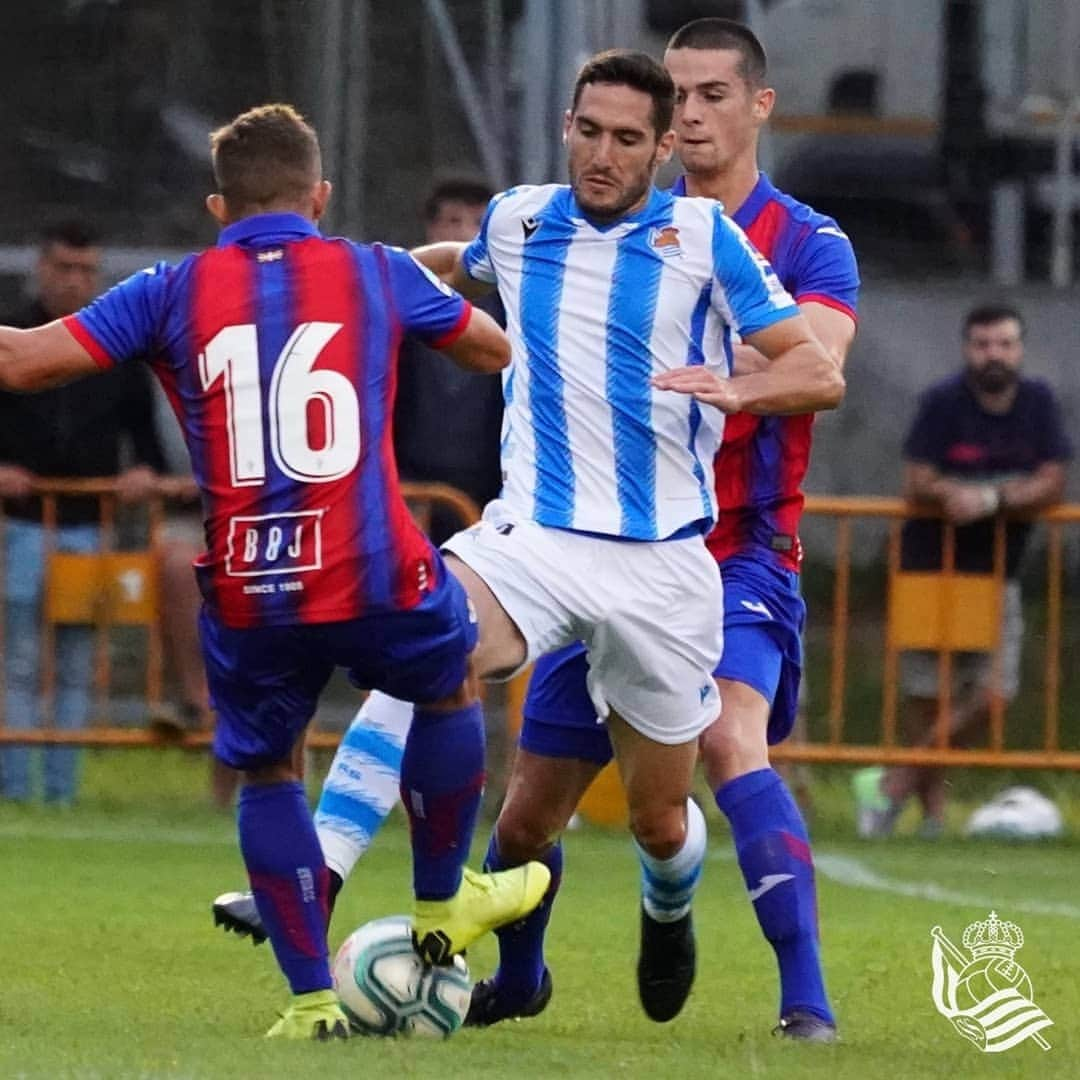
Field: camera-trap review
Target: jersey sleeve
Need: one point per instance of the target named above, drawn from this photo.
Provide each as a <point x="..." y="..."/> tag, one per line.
<point x="122" y="324"/>
<point x="825" y="269"/>
<point x="427" y="307"/>
<point x="477" y="257"/>
<point x="746" y="290"/>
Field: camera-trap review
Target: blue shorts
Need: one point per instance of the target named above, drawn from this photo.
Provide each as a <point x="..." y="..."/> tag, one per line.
<point x="764" y="615"/>
<point x="265" y="681"/>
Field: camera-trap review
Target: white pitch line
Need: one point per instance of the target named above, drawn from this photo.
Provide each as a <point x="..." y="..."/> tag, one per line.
<point x="114" y="834"/>
<point x="846" y="870"/>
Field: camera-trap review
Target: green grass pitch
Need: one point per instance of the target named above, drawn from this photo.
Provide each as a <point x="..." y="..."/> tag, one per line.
<point x="111" y="968"/>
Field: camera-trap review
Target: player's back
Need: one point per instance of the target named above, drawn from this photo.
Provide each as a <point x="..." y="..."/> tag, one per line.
<point x="278" y="351"/>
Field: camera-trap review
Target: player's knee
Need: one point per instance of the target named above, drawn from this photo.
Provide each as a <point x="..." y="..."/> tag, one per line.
<point x="659" y="830"/>
<point x="281" y="772"/>
<point x="521" y="837"/>
<point x="736" y="742"/>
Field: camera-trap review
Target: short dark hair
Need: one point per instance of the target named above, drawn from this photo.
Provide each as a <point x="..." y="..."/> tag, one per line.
<point x="639" y="71"/>
<point x="470" y="190"/>
<point x="726" y="34"/>
<point x="267" y="155"/>
<point x="71" y="233"/>
<point x="993" y="312"/>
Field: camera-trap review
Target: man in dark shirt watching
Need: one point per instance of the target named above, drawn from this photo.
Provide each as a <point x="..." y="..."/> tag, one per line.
<point x="74" y="430"/>
<point x="984" y="441"/>
<point x="446" y="420"/>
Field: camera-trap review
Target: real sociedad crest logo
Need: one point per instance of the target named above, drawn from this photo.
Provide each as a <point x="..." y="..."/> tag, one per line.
<point x="665" y="240"/>
<point x="987" y="995"/>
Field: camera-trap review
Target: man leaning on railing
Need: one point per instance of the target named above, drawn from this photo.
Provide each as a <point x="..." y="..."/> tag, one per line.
<point x="70" y="431"/>
<point x="984" y="441"/>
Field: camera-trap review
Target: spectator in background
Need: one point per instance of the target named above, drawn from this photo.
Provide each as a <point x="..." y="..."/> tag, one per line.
<point x="984" y="442"/>
<point x="70" y="431"/>
<point x="447" y="421"/>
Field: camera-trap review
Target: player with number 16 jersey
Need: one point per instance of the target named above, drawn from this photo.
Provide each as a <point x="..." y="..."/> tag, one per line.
<point x="277" y="349"/>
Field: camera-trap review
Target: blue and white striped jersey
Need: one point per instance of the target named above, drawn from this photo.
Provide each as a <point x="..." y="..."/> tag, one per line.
<point x="593" y="312"/>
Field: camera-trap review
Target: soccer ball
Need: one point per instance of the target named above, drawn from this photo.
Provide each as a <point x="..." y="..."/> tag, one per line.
<point x="386" y="989"/>
<point x="1017" y="813"/>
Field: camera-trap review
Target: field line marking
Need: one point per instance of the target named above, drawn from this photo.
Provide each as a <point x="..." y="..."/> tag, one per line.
<point x="847" y="870"/>
<point x="114" y="834"/>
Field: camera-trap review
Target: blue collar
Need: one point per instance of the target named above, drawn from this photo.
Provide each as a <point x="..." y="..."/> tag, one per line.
<point x="271" y="228"/>
<point x="752" y="205"/>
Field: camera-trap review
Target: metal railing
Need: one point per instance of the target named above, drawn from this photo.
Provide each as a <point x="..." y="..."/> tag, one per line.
<point x="93" y="592"/>
<point x="105" y="610"/>
<point x="887" y="748"/>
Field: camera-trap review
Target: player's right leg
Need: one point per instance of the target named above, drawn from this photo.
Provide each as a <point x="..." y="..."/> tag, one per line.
<point x="426" y="657"/>
<point x="265" y="684"/>
<point x="560" y="750"/>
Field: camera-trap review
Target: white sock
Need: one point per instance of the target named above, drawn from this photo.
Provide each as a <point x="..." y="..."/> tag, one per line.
<point x="668" y="885"/>
<point x="362" y="785"/>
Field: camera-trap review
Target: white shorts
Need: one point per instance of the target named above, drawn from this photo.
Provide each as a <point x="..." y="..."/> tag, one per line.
<point x="647" y="612"/>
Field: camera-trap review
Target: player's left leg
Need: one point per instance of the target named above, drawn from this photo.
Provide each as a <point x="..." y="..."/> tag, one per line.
<point x="651" y="659"/>
<point x="758" y="683"/>
<point x="669" y="832"/>
<point x="265" y="685"/>
<point x="359" y="791"/>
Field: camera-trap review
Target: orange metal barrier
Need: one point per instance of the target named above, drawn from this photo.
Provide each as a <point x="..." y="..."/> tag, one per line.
<point x="110" y="589"/>
<point x="947" y="613"/>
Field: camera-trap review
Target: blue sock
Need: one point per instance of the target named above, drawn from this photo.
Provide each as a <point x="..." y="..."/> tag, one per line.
<point x="774" y="856"/>
<point x="289" y="879"/>
<point x="521" y="945"/>
<point x="442" y="780"/>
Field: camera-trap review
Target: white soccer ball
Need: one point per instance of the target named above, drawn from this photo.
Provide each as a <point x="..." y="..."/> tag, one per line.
<point x="1017" y="813"/>
<point x="386" y="989"/>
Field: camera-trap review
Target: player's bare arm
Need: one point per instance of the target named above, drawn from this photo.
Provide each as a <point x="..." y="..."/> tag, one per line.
<point x="834" y="329"/>
<point x="482" y="347"/>
<point x="446" y="261"/>
<point x="801" y="375"/>
<point x="42" y="357"/>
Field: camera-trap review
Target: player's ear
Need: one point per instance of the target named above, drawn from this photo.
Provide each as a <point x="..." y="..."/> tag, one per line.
<point x="218" y="210"/>
<point x="320" y="197"/>
<point x="568" y="119"/>
<point x="763" y="104"/>
<point x="665" y="147"/>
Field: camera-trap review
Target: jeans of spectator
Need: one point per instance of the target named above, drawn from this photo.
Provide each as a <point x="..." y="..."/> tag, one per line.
<point x="23" y="707"/>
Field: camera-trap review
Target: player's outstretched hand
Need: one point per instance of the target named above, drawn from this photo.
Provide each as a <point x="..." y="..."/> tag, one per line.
<point x="703" y="385"/>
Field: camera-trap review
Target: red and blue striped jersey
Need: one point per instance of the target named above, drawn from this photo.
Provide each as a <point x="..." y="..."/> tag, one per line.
<point x="278" y="351"/>
<point x="762" y="461"/>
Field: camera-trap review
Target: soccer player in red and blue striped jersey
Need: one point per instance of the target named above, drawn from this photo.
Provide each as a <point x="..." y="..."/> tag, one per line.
<point x="278" y="350"/>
